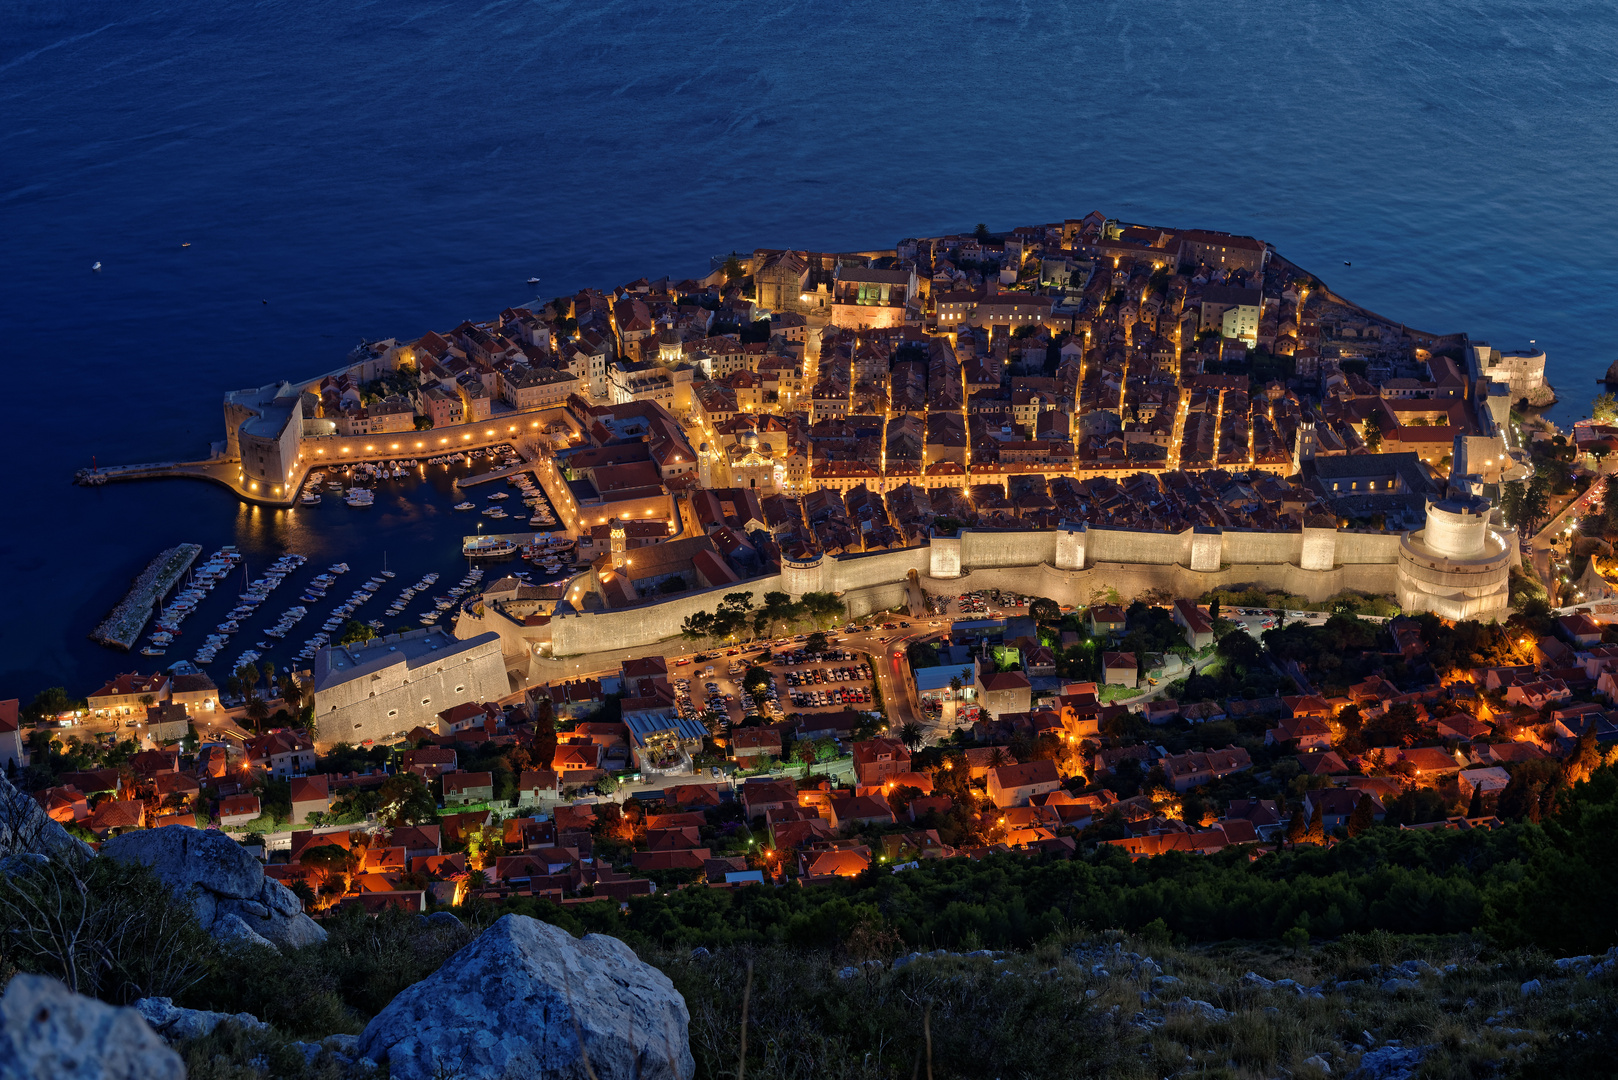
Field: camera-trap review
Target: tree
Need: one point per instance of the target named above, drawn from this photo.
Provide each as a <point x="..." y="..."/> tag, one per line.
<point x="778" y="608"/>
<point x="147" y="701"/>
<point x="291" y="692"/>
<point x="981" y="232"/>
<point x="356" y="633"/>
<point x="823" y="607"/>
<point x="1373" y="433"/>
<point x="257" y="711"/>
<point x="48" y="703"/>
<point x="1317" y="827"/>
<point x="910" y="735"/>
<point x="1363" y="817"/>
<point x="733" y="268"/>
<point x="1511" y="498"/>
<point x="1044" y="609"/>
<point x="1533" y="503"/>
<point x="1213" y="609"/>
<point x="955" y="685"/>
<point x="1298" y="827"/>
<point x="698" y="626"/>
<point x="816" y="643"/>
<point x="406" y="800"/>
<point x="248" y="674"/>
<point x="1604" y="409"/>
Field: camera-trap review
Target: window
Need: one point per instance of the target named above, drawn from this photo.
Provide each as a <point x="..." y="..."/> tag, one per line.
<point x="426" y="701"/>
<point x="459" y="689"/>
<point x="393" y="712"/>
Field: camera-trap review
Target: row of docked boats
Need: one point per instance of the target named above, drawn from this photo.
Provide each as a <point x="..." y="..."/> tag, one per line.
<point x="199" y="583"/>
<point x="250" y="600"/>
<point x="453" y="596"/>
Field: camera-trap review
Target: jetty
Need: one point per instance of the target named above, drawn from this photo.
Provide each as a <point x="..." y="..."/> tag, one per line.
<point x="121" y="628"/>
<point x="497" y="474"/>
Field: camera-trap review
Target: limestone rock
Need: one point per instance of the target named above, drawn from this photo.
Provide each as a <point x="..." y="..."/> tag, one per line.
<point x="184" y="857"/>
<point x="1320" y="1063"/>
<point x="233" y="899"/>
<point x="233" y="930"/>
<point x="26" y="829"/>
<point x="176" y="1024"/>
<point x="1207" y="1010"/>
<point x="47" y="1032"/>
<point x="508" y="1004"/>
<point x="1390" y="1063"/>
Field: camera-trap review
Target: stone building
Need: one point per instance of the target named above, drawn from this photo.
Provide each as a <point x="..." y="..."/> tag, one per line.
<point x="391" y="684"/>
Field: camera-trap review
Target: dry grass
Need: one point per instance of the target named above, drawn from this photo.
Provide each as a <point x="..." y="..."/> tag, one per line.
<point x="1052" y="1016"/>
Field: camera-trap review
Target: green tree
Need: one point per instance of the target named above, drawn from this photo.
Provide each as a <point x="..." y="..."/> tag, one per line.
<point x="1511" y="500"/>
<point x="981" y="232"/>
<point x="698" y="626"/>
<point x="816" y="643"/>
<point x="48" y="703"/>
<point x="1534" y="502"/>
<point x="733" y="268"/>
<point x="257" y="711"/>
<point x="1373" y="433"/>
<point x="1604" y="409"/>
<point x="249" y="675"/>
<point x="823" y="608"/>
<point x="1317" y="827"/>
<point x="406" y="800"/>
<point x="910" y="735"/>
<point x="355" y="633"/>
<point x="1043" y="609"/>
<point x="1363" y="816"/>
<point x="1297" y="827"/>
<point x="1213" y="609"/>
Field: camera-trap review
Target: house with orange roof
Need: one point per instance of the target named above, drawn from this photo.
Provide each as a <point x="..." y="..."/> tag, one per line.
<point x="114" y="816"/>
<point x="310" y="795"/>
<point x="1016" y="785"/>
<point x="461" y="788"/>
<point x="238" y="810"/>
<point x="816" y="866"/>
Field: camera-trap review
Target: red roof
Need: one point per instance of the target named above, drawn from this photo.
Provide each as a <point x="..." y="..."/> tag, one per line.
<point x="310" y="789"/>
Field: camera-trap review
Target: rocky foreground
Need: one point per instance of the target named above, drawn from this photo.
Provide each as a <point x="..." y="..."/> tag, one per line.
<point x="516" y="997"/>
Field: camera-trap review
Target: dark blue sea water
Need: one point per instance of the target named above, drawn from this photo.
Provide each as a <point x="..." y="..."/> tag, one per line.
<point x="375" y="169"/>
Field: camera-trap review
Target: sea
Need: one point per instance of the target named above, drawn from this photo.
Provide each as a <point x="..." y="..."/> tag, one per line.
<point x="370" y="169"/>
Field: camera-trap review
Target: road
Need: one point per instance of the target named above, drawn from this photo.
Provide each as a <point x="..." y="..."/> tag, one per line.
<point x="1539" y="547"/>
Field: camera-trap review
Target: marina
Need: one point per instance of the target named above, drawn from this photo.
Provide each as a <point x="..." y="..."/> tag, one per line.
<point x="287" y="582"/>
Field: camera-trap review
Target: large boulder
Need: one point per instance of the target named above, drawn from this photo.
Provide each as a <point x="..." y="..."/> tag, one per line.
<point x="26" y="829"/>
<point x="516" y="1002"/>
<point x="230" y="892"/>
<point x="47" y="1032"/>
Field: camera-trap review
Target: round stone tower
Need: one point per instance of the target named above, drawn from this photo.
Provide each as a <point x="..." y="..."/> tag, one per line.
<point x="1459" y="564"/>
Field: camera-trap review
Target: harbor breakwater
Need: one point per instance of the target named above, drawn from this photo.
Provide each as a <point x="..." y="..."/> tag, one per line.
<point x="123" y="625"/>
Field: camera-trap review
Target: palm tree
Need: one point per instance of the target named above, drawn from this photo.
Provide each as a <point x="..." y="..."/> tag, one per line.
<point x="955" y="685"/>
<point x="248" y="673"/>
<point x="257" y="712"/>
<point x="910" y="735"/>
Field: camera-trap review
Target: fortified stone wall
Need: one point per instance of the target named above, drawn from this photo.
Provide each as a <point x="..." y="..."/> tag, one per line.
<point x="597" y="630"/>
<point x="845" y="572"/>
<point x="1132" y="562"/>
<point x="981" y="548"/>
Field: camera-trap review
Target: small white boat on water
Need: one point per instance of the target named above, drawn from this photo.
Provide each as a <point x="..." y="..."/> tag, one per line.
<point x="465" y="506"/>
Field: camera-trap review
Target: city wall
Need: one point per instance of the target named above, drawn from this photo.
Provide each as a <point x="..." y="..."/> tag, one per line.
<point x="1070" y="565"/>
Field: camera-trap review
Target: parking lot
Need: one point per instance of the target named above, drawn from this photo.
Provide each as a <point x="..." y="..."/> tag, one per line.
<point x="710" y="689"/>
<point x="985" y="603"/>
